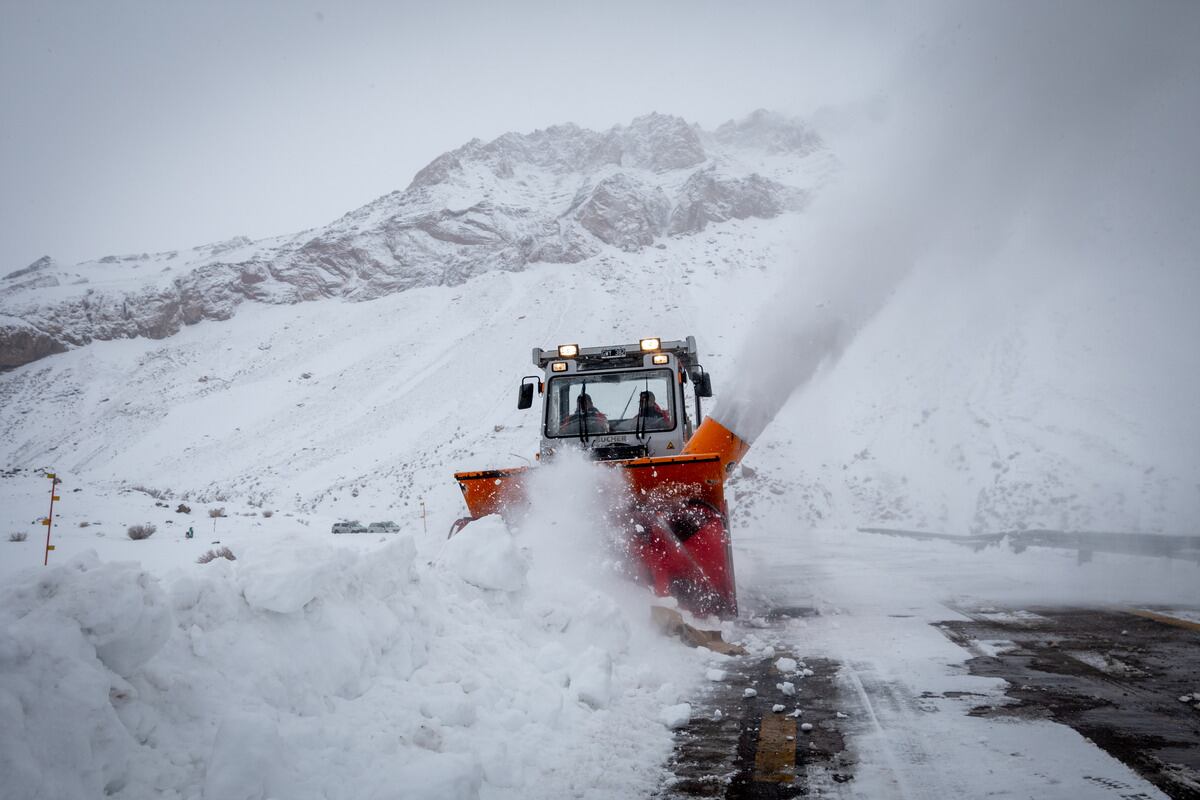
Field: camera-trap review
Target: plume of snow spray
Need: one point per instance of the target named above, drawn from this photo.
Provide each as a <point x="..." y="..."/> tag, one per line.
<point x="578" y="565"/>
<point x="1063" y="129"/>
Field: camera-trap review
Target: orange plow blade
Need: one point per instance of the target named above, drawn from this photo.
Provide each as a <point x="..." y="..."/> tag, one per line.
<point x="493" y="491"/>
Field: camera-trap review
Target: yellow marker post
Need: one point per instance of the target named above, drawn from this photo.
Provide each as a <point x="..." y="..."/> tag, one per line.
<point x="49" y="520"/>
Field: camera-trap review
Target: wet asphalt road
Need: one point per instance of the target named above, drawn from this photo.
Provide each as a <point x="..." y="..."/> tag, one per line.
<point x="1114" y="675"/>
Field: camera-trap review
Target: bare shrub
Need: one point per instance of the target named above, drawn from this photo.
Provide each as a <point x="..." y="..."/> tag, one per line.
<point x="213" y="555"/>
<point x="157" y="494"/>
<point x="268" y="513"/>
<point x="137" y="532"/>
<point x="216" y="512"/>
<point x="84" y="524"/>
<point x="18" y="536"/>
<point x="183" y="508"/>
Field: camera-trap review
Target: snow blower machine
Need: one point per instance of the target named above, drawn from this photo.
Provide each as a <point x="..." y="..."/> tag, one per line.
<point x="627" y="407"/>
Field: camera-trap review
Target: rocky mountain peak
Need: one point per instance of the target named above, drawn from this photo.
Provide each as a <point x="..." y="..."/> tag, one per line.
<point x="660" y="142"/>
<point x="42" y="263"/>
<point x="769" y="131"/>
<point x="561" y="195"/>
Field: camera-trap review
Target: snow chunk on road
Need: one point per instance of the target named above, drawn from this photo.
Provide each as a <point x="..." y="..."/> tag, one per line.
<point x="787" y="687"/>
<point x="676" y="716"/>
<point x="434" y="776"/>
<point x="786" y="665"/>
<point x="714" y="674"/>
<point x="448" y="704"/>
<point x="483" y="554"/>
<point x="244" y="759"/>
<point x="591" y="677"/>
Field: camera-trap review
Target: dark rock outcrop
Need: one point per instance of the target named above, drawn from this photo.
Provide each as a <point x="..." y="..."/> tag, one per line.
<point x="707" y="197"/>
<point x="21" y="343"/>
<point x="624" y="212"/>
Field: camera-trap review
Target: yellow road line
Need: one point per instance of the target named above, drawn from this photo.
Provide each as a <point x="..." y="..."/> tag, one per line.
<point x="1165" y="619"/>
<point x="775" y="756"/>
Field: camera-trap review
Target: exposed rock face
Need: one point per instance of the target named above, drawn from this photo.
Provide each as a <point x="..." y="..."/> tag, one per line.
<point x="558" y="195"/>
<point x="624" y="212"/>
<point x="658" y="143"/>
<point x="45" y="262"/>
<point x="707" y="197"/>
<point x="21" y="343"/>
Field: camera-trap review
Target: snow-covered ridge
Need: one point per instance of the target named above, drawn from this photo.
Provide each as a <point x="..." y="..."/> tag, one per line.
<point x="559" y="195"/>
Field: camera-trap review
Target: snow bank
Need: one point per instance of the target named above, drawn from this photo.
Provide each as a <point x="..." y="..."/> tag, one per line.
<point x="67" y="637"/>
<point x="334" y="673"/>
<point x="483" y="554"/>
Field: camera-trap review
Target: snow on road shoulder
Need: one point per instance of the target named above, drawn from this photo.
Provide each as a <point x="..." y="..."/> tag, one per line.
<point x="334" y="672"/>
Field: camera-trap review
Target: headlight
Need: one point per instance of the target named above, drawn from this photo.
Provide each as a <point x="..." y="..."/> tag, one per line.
<point x="558" y="366"/>
<point x="567" y="351"/>
<point x="659" y="358"/>
<point x="650" y="344"/>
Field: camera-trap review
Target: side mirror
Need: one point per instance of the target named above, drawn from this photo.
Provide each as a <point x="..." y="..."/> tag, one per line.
<point x="525" y="398"/>
<point x="703" y="386"/>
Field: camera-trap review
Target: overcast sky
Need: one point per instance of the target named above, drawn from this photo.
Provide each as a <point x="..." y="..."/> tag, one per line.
<point x="143" y="126"/>
<point x="133" y="126"/>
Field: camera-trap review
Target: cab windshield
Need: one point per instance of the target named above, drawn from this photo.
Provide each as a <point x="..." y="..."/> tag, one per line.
<point x="617" y="402"/>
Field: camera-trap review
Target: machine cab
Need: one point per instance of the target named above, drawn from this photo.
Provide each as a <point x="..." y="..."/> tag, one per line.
<point x="619" y="401"/>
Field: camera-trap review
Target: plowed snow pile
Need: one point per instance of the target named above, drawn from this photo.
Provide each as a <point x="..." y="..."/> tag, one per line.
<point x="500" y="667"/>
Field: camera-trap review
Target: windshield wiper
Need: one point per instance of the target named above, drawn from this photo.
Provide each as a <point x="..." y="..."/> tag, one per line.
<point x="639" y="427"/>
<point x="627" y="402"/>
<point x="583" y="431"/>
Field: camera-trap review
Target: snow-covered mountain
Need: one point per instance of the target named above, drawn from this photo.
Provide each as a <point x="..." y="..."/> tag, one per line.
<point x="964" y="404"/>
<point x="560" y="196"/>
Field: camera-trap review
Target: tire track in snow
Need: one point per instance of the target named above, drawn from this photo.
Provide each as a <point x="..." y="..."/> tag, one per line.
<point x="850" y="673"/>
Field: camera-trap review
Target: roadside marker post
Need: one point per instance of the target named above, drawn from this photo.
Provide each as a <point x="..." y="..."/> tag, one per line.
<point x="49" y="520"/>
